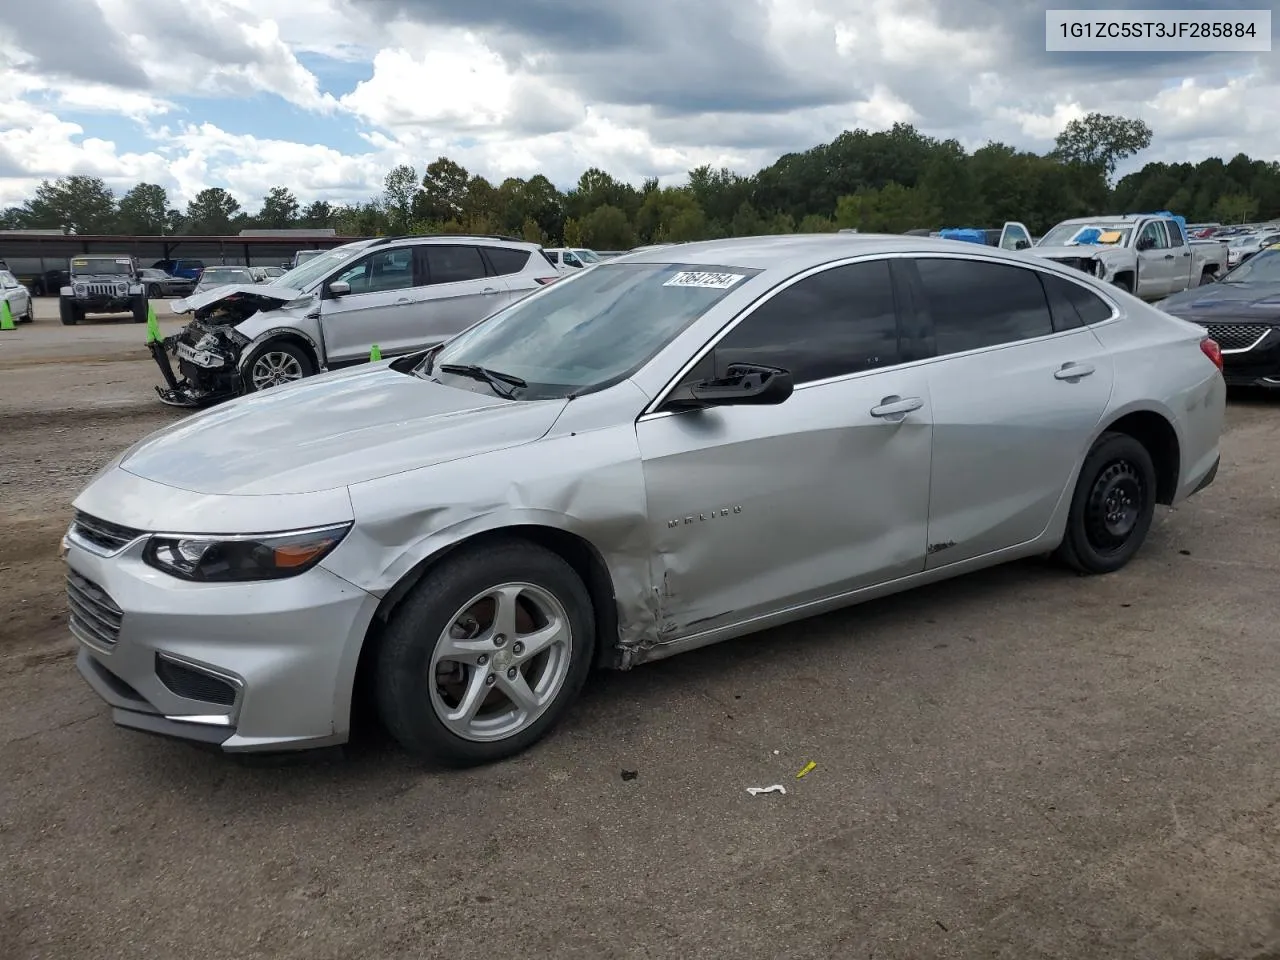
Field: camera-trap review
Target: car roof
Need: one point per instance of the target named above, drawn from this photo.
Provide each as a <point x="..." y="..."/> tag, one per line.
<point x="800" y="251"/>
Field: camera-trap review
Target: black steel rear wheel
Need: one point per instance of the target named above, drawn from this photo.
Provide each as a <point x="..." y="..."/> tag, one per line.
<point x="1113" y="506"/>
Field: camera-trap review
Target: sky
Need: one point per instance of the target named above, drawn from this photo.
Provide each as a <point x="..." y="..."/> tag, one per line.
<point x="326" y="96"/>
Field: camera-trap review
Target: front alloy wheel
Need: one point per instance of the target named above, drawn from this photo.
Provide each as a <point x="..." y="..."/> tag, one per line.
<point x="275" y="365"/>
<point x="485" y="654"/>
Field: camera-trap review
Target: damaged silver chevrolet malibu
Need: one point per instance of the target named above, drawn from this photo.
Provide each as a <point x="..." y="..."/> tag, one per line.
<point x="668" y="450"/>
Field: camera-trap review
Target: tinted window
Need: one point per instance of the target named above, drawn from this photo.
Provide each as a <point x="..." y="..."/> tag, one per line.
<point x="1090" y="307"/>
<point x="505" y="260"/>
<point x="1061" y="307"/>
<point x="1153" y="233"/>
<point x="453" y="264"/>
<point x="836" y="322"/>
<point x="1175" y="233"/>
<point x="975" y="304"/>
<point x="381" y="271"/>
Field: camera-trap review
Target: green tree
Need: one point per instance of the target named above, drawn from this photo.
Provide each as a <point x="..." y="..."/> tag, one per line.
<point x="399" y="190"/>
<point x="319" y="214"/>
<point x="1101" y="141"/>
<point x="212" y="211"/>
<point x="1236" y="208"/>
<point x="531" y="232"/>
<point x="746" y="221"/>
<point x="279" y="209"/>
<point x="444" y="192"/>
<point x="815" y="223"/>
<point x="606" y="228"/>
<point x="144" y="210"/>
<point x="80" y="204"/>
<point x="573" y="233"/>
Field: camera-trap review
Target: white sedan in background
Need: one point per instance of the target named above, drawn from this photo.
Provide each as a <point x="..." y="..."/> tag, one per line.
<point x="17" y="296"/>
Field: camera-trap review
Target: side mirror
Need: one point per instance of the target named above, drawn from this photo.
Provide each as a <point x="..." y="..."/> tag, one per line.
<point x="1022" y="245"/>
<point x="1144" y="243"/>
<point x="339" y="288"/>
<point x="745" y="385"/>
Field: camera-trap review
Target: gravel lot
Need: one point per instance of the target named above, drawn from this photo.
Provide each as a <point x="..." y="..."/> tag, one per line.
<point x="1018" y="764"/>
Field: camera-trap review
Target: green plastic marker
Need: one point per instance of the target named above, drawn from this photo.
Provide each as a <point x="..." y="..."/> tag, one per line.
<point x="374" y="354"/>
<point x="6" y="317"/>
<point x="153" y="325"/>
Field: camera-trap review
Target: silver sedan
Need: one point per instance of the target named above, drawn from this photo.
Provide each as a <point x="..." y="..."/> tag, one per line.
<point x="671" y="449"/>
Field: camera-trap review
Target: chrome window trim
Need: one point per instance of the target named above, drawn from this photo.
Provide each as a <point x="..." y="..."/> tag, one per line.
<point x="652" y="410"/>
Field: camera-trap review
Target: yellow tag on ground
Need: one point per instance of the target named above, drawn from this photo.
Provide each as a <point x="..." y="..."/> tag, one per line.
<point x="806" y="769"/>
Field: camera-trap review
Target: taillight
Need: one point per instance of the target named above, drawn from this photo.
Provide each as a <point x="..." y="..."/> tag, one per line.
<point x="546" y="280"/>
<point x="1209" y="347"/>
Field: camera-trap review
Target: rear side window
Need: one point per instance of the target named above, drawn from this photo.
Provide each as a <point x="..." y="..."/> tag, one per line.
<point x="449" y="264"/>
<point x="974" y="304"/>
<point x="836" y="322"/>
<point x="1072" y="305"/>
<point x="505" y="260"/>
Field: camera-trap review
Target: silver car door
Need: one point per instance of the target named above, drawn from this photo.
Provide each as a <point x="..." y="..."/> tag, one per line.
<point x="1015" y="398"/>
<point x="1155" y="264"/>
<point x="382" y="291"/>
<point x="755" y="508"/>
<point x="459" y="291"/>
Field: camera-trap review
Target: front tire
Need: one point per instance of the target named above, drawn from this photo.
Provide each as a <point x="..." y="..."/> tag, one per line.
<point x="485" y="655"/>
<point x="138" y="307"/>
<point x="153" y="291"/>
<point x="1125" y="283"/>
<point x="1112" y="507"/>
<point x="31" y="312"/>
<point x="68" y="313"/>
<point x="276" y="364"/>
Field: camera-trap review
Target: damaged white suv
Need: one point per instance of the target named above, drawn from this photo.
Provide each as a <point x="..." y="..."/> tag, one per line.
<point x="400" y="293"/>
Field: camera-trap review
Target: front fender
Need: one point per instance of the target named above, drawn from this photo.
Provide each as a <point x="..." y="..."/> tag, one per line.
<point x="270" y="334"/>
<point x="66" y="292"/>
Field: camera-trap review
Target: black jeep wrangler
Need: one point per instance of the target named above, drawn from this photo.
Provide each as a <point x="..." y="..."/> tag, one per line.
<point x="103" y="284"/>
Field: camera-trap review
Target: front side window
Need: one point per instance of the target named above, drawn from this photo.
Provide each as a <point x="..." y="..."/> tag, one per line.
<point x="453" y="264"/>
<point x="840" y="321"/>
<point x="976" y="304"/>
<point x="1153" y="236"/>
<point x="380" y="272"/>
<point x="1013" y="236"/>
<point x="591" y="332"/>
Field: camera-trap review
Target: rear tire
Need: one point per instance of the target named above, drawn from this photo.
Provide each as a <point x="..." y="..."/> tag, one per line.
<point x="1112" y="507"/>
<point x="68" y="313"/>
<point x="445" y="648"/>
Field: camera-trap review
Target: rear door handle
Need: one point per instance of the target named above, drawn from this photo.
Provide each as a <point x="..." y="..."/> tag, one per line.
<point x="1168" y="256"/>
<point x="1073" y="371"/>
<point x="895" y="407"/>
<point x="489" y="291"/>
<point x="404" y="300"/>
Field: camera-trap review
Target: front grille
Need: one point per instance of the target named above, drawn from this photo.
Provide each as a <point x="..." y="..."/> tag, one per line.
<point x="95" y="618"/>
<point x="103" y="533"/>
<point x="104" y="290"/>
<point x="194" y="684"/>
<point x="1236" y="336"/>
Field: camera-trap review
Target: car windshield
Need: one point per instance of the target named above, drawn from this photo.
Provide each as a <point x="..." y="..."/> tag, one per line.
<point x="1263" y="267"/>
<point x="307" y="275"/>
<point x="97" y="266"/>
<point x="1071" y="234"/>
<point x="220" y="276"/>
<point x="587" y="256"/>
<point x="588" y="332"/>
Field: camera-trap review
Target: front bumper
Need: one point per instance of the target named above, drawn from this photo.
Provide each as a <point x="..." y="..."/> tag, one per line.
<point x="1248" y="362"/>
<point x="243" y="667"/>
<point x="192" y="385"/>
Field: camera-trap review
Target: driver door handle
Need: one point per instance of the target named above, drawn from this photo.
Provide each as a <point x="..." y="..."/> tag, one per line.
<point x="404" y="300"/>
<point x="1168" y="256"/>
<point x="1073" y="371"/>
<point x="896" y="406"/>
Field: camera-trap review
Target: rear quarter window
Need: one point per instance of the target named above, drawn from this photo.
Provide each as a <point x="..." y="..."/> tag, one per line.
<point x="506" y="260"/>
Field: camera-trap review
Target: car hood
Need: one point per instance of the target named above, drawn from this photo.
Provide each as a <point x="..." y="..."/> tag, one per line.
<point x="1081" y="250"/>
<point x="1235" y="298"/>
<point x="332" y="431"/>
<point x="269" y="293"/>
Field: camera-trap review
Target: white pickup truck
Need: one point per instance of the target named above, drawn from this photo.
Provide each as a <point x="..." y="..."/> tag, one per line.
<point x="1149" y="256"/>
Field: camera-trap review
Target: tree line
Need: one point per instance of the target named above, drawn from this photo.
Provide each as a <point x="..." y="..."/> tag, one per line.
<point x="886" y="181"/>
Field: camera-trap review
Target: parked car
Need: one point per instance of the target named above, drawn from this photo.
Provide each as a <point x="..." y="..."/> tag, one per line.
<point x="1242" y="313"/>
<point x="211" y="278"/>
<point x="1246" y="245"/>
<point x="1011" y="236"/>
<point x="18" y="297"/>
<point x="402" y="293"/>
<point x="572" y="258"/>
<point x="266" y="274"/>
<point x="102" y="284"/>
<point x="160" y="284"/>
<point x="186" y="268"/>
<point x="665" y="451"/>
<point x="302" y="256"/>
<point x="1147" y="255"/>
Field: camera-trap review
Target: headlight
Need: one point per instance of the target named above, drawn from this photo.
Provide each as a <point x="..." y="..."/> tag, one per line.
<point x="270" y="556"/>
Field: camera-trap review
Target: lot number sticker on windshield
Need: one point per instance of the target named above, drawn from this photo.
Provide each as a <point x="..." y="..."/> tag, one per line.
<point x="711" y="281"/>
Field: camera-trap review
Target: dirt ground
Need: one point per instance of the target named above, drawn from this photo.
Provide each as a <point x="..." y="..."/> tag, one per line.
<point x="1019" y="764"/>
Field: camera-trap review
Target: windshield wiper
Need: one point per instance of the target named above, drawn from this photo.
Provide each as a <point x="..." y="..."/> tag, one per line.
<point x="503" y="384"/>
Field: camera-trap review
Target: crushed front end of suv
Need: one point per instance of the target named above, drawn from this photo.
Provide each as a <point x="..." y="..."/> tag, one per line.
<point x="399" y="293"/>
<point x="101" y="284"/>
